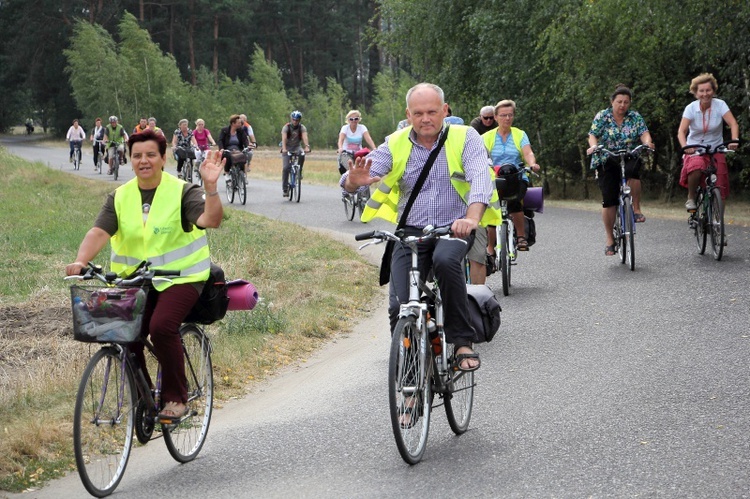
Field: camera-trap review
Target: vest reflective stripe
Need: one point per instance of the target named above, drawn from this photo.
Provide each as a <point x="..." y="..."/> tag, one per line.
<point x="384" y="201"/>
<point x="161" y="240"/>
<point x="515" y="133"/>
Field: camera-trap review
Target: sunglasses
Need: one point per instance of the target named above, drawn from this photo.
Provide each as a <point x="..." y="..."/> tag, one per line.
<point x="353" y="119"/>
<point x="487" y="117"/>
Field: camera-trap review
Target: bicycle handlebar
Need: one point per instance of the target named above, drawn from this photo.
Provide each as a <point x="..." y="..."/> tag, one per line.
<point x="143" y="274"/>
<point x="622" y="152"/>
<point x="707" y="149"/>
<point x="430" y="232"/>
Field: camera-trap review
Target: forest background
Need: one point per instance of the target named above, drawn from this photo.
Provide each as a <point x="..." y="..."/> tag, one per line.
<point x="558" y="59"/>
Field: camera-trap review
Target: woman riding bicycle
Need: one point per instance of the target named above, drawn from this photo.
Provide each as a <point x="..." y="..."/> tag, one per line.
<point x="351" y="137"/>
<point x="703" y="123"/>
<point x="508" y="145"/>
<point x="203" y="140"/>
<point x="233" y="138"/>
<point x="182" y="144"/>
<point x="618" y="127"/>
<point x="158" y="218"/>
<point x="75" y="137"/>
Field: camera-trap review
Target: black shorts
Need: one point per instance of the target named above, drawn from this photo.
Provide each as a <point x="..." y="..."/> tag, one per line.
<point x="609" y="178"/>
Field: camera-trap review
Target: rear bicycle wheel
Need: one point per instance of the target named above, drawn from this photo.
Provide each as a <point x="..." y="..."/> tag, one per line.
<point x="77" y="159"/>
<point x="185" y="439"/>
<point x="629" y="241"/>
<point x="103" y="424"/>
<point x="242" y="186"/>
<point x="349" y="205"/>
<point x="504" y="256"/>
<point x="716" y="219"/>
<point x="409" y="389"/>
<point x="700" y="224"/>
<point x="460" y="401"/>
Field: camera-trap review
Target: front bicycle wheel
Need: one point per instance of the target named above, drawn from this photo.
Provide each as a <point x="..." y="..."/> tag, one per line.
<point x="242" y="186"/>
<point x="185" y="439"/>
<point x="292" y="184"/>
<point x="700" y="224"/>
<point x="409" y="389"/>
<point x="103" y="424"/>
<point x="716" y="219"/>
<point x="298" y="188"/>
<point x="460" y="400"/>
<point x="77" y="159"/>
<point x="363" y="198"/>
<point x="628" y="242"/>
<point x="231" y="185"/>
<point x="504" y="256"/>
<point x="617" y="234"/>
<point x="116" y="166"/>
<point x="99" y="161"/>
<point x="349" y="205"/>
<point x="187" y="168"/>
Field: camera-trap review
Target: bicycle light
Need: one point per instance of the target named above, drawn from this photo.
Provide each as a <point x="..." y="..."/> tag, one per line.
<point x="626" y="189"/>
<point x="713" y="178"/>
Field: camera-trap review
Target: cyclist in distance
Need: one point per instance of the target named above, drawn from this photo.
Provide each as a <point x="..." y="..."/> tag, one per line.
<point x="137" y="219"/>
<point x="75" y="136"/>
<point x="485" y="121"/>
<point x="353" y="134"/>
<point x="703" y="123"/>
<point x="141" y="126"/>
<point x="458" y="192"/>
<point x="508" y="145"/>
<point x="233" y="138"/>
<point x="182" y="138"/>
<point x="203" y="138"/>
<point x="293" y="139"/>
<point x="97" y="134"/>
<point x="152" y="126"/>
<point x="115" y="136"/>
<point x="250" y="138"/>
<point x="617" y="127"/>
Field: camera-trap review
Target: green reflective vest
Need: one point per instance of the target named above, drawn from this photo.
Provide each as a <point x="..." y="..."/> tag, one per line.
<point x="384" y="201"/>
<point x="491" y="136"/>
<point x="161" y="239"/>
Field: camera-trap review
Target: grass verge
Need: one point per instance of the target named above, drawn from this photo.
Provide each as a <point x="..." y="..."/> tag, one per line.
<point x="312" y="288"/>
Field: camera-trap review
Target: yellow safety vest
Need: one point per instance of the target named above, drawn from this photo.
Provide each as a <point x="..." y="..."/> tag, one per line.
<point x="161" y="240"/>
<point x="384" y="201"/>
<point x="491" y="136"/>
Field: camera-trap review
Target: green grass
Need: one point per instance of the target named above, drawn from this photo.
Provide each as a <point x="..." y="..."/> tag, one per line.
<point x="311" y="288"/>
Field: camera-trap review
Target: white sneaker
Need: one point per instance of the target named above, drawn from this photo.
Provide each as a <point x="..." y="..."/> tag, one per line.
<point x="690" y="205"/>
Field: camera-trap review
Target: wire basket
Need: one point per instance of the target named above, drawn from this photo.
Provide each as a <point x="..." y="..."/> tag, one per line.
<point x="107" y="315"/>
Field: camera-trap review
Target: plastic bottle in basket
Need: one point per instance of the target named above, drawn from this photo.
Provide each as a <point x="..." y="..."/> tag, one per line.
<point x="83" y="318"/>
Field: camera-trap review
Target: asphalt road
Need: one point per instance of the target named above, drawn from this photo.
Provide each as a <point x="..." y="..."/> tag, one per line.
<point x="601" y="383"/>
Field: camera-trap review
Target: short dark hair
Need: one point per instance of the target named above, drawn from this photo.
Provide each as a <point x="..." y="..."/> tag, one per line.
<point x="145" y="136"/>
<point x="621" y="89"/>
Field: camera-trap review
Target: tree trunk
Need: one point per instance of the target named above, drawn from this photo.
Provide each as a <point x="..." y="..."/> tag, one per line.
<point x="140" y="5"/>
<point x="191" y="43"/>
<point x="584" y="171"/>
<point x="216" y="49"/>
<point x="171" y="30"/>
<point x="672" y="172"/>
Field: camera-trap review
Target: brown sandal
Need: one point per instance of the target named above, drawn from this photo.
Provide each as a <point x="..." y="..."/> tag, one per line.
<point x="522" y="244"/>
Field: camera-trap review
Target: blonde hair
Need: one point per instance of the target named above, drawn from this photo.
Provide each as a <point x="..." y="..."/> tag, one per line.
<point x="352" y="113"/>
<point x="199" y="121"/>
<point x="505" y="103"/>
<point x="701" y="79"/>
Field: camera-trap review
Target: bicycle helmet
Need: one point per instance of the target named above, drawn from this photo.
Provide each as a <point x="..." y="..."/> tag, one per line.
<point x="112" y="119"/>
<point x="296" y="115"/>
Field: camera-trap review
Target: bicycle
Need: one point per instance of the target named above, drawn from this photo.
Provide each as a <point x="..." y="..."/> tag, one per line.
<point x="237" y="180"/>
<point x="421" y="363"/>
<point x="187" y="164"/>
<point x="115" y="399"/>
<point x="200" y="155"/>
<point x="508" y="189"/>
<point x="624" y="227"/>
<point x="76" y="154"/>
<point x="709" y="214"/>
<point x="294" y="188"/>
<point x="99" y="144"/>
<point x="116" y="159"/>
<point x="357" y="200"/>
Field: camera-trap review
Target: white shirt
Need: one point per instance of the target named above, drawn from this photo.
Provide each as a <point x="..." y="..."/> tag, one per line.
<point x="75" y="133"/>
<point x="706" y="127"/>
<point x="353" y="141"/>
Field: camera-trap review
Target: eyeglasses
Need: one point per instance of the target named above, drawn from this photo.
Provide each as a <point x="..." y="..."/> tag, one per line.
<point x="487" y="117"/>
<point x="505" y="116"/>
<point x="353" y="119"/>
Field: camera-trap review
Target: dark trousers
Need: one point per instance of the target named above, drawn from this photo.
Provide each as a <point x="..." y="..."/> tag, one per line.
<point x="164" y="314"/>
<point x="446" y="258"/>
<point x="98" y="149"/>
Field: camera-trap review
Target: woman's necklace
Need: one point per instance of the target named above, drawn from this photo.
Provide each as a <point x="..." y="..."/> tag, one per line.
<point x="706" y="122"/>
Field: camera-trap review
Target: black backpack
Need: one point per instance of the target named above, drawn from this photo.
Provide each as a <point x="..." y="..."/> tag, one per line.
<point x="484" y="312"/>
<point x="213" y="302"/>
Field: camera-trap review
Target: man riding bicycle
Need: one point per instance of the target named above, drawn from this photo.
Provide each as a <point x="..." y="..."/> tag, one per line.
<point x="458" y="193"/>
<point x="115" y="137"/>
<point x="293" y="135"/>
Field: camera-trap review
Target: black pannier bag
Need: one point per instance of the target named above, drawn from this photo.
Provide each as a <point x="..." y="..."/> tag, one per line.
<point x="530" y="227"/>
<point x="213" y="302"/>
<point x="484" y="312"/>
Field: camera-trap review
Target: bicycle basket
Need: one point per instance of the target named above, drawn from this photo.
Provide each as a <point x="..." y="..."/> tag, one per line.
<point x="508" y="182"/>
<point x="107" y="315"/>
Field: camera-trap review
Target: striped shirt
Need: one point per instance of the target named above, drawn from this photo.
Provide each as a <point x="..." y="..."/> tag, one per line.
<point x="438" y="203"/>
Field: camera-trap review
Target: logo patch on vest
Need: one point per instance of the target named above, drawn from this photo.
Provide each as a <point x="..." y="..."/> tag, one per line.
<point x="163" y="230"/>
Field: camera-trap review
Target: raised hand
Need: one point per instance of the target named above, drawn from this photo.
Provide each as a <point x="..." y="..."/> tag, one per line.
<point x="212" y="166"/>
